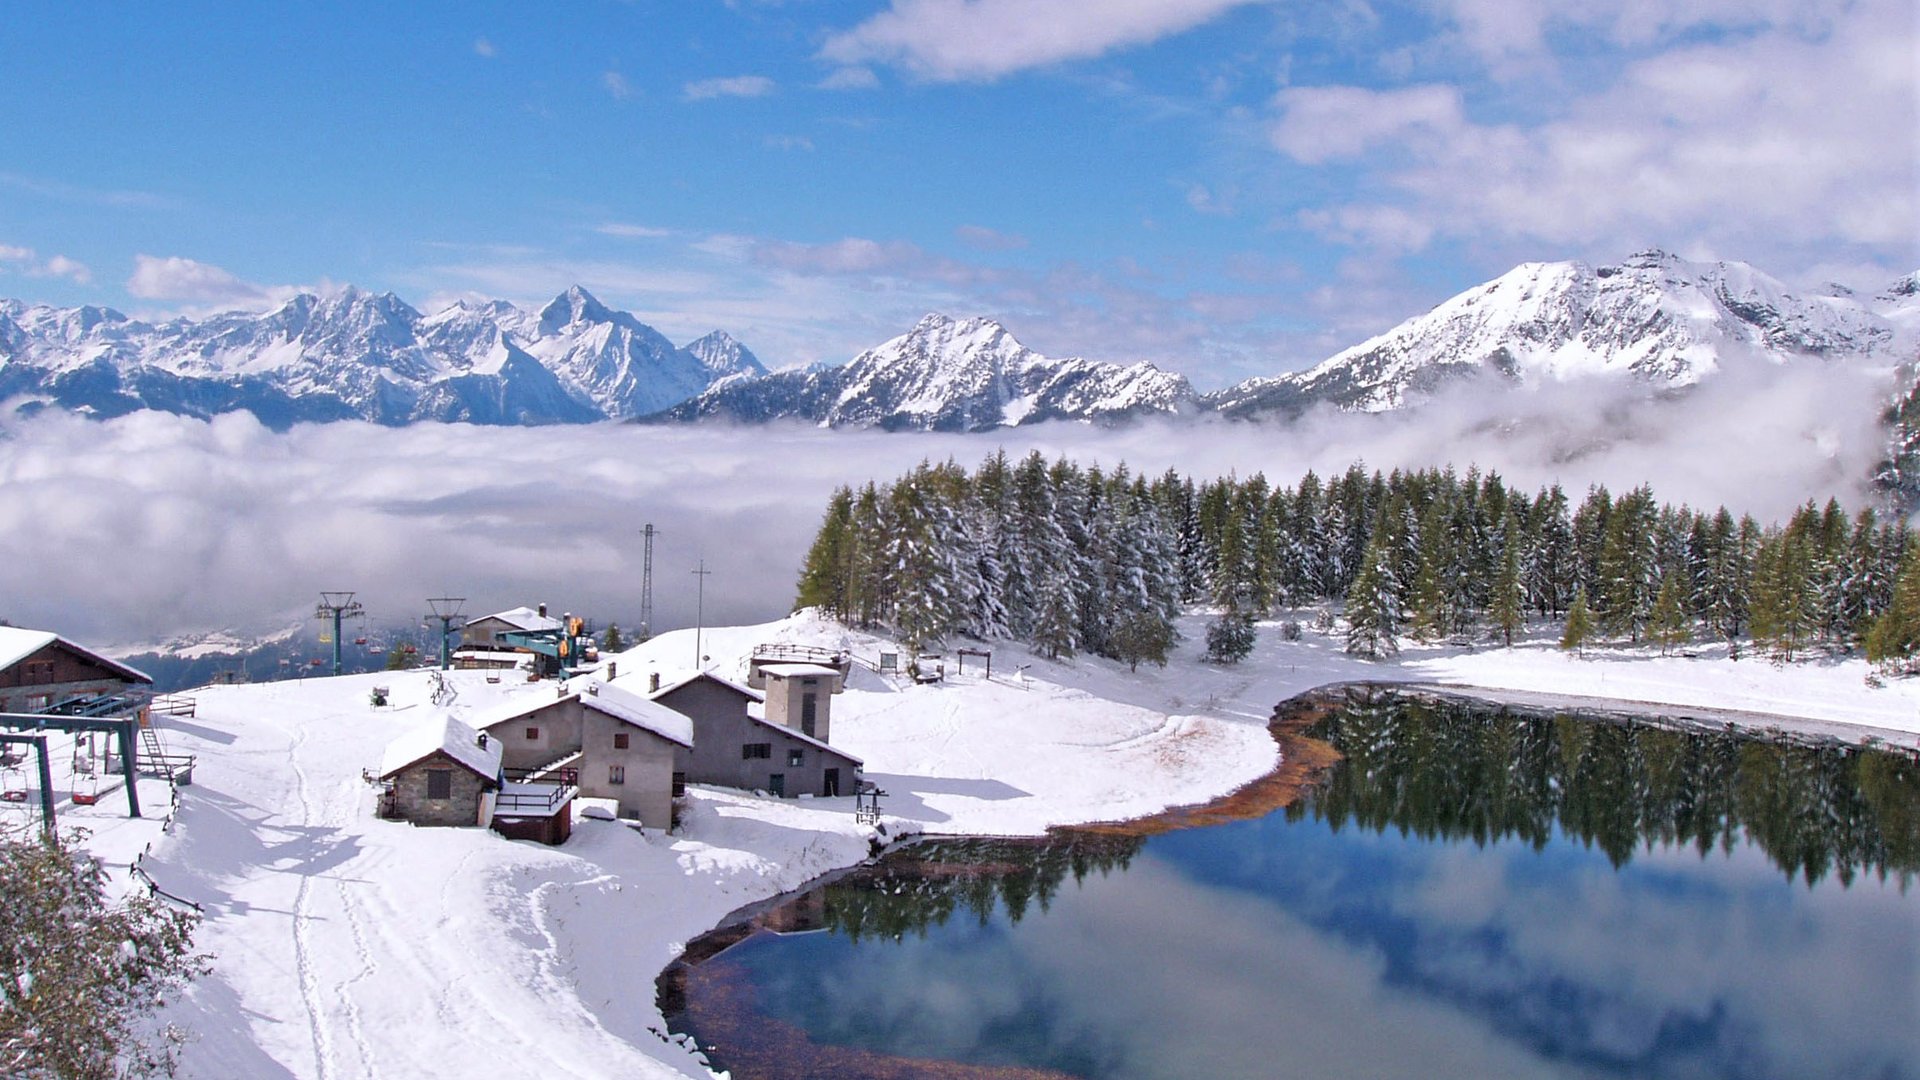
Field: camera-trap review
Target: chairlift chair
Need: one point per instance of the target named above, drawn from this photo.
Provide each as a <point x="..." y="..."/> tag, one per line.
<point x="13" y="778"/>
<point x="86" y="778"/>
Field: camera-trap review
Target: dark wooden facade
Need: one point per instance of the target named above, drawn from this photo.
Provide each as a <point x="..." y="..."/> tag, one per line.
<point x="58" y="671"/>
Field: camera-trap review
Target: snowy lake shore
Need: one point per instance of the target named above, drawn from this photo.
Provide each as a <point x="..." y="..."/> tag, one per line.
<point x="350" y="946"/>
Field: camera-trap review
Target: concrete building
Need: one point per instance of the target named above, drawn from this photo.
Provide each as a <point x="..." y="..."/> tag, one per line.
<point x="618" y="745"/>
<point x="484" y="632"/>
<point x="735" y="745"/>
<point x="799" y="696"/>
<point x="39" y="668"/>
<point x="441" y="773"/>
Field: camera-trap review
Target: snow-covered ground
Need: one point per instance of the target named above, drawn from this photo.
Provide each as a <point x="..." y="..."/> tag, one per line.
<point x="348" y="946"/>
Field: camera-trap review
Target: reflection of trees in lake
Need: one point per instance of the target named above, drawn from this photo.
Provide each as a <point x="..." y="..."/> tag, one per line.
<point x="928" y="883"/>
<point x="1457" y="770"/>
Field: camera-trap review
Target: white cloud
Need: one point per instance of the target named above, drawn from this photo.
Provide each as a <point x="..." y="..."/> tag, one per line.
<point x="982" y="40"/>
<point x="632" y="232"/>
<point x="616" y="84"/>
<point x="1325" y="123"/>
<point x="483" y="48"/>
<point x="747" y="86"/>
<point x="788" y="142"/>
<point x="1775" y="145"/>
<point x="61" y="266"/>
<point x="176" y="278"/>
<point x="54" y="266"/>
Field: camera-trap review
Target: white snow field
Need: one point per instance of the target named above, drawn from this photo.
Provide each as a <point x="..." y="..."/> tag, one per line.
<point x="348" y="946"/>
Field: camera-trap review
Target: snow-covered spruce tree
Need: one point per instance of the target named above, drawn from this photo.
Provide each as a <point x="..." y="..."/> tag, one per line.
<point x="1230" y="637"/>
<point x="1373" y="605"/>
<point x="1508" y="602"/>
<point x="80" y="975"/>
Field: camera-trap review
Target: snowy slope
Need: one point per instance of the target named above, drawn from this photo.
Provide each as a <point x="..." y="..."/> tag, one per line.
<point x="358" y="355"/>
<point x="947" y="375"/>
<point x="1657" y="318"/>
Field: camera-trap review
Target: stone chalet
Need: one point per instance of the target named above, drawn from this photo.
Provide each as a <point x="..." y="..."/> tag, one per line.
<point x="620" y="745"/>
<point x="441" y="773"/>
<point x="39" y="668"/>
<point x="735" y="744"/>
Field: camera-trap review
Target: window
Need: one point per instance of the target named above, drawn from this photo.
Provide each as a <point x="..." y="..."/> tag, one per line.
<point x="439" y="783"/>
<point x="679" y="784"/>
<point x="616" y="774"/>
<point x="532" y="733"/>
<point x="795" y="757"/>
<point x="749" y="751"/>
<point x="809" y="713"/>
<point x="619" y="740"/>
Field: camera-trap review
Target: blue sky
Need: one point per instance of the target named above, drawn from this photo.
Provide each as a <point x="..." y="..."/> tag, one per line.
<point x="1226" y="188"/>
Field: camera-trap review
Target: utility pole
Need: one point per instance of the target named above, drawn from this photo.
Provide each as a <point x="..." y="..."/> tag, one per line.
<point x="333" y="605"/>
<point x="646" y="584"/>
<point x="446" y="615"/>
<point x="700" y="616"/>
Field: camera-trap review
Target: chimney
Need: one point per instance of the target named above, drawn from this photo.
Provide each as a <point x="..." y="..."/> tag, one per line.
<point x="483" y="740"/>
<point x="653" y="682"/>
<point x="543" y="611"/>
<point x="594" y="689"/>
<point x="613" y="671"/>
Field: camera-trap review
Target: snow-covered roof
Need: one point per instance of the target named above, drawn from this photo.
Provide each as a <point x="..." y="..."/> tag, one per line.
<point x="498" y="656"/>
<point x="17" y="643"/>
<point x="799" y="671"/>
<point x="691" y="676"/>
<point x="457" y="740"/>
<point x="524" y="618"/>
<point x="516" y="707"/>
<point x="635" y="709"/>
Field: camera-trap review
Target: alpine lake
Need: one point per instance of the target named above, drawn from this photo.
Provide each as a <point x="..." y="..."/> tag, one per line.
<point x="1429" y="887"/>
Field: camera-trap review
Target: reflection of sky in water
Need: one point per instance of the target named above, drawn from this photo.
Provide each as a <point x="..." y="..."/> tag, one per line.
<point x="1265" y="949"/>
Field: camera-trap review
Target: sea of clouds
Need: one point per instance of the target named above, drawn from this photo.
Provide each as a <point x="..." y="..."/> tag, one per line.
<point x="150" y="525"/>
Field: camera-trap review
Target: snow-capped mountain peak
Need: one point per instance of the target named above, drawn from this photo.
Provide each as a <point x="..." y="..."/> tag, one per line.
<point x="1654" y="316"/>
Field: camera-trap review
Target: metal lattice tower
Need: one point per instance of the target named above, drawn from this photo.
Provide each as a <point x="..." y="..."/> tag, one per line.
<point x="646" y="584"/>
<point x="446" y="609"/>
<point x="335" y="605"/>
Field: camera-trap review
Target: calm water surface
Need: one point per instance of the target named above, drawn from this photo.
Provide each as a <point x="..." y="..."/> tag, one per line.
<point x="1471" y="892"/>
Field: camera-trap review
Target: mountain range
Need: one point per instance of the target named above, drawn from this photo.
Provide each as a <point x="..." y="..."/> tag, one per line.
<point x="1655" y="318"/>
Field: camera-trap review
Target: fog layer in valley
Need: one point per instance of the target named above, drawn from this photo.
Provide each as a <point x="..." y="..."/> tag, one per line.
<point x="151" y="525"/>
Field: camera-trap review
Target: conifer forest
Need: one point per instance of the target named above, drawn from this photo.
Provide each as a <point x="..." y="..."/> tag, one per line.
<point x="1077" y="559"/>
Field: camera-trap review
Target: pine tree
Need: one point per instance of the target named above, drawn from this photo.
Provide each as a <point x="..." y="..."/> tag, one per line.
<point x="1895" y="637"/>
<point x="1507" y="608"/>
<point x="1668" y="624"/>
<point x="1230" y="637"/>
<point x="1373" y="606"/>
<point x="1579" y="624"/>
<point x="825" y="576"/>
<point x="611" y="641"/>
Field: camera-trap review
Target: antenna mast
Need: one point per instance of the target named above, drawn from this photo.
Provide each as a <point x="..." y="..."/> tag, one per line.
<point x="700" y="618"/>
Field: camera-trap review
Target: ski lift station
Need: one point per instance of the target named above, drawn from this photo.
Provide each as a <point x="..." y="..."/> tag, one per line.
<point x="75" y="728"/>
